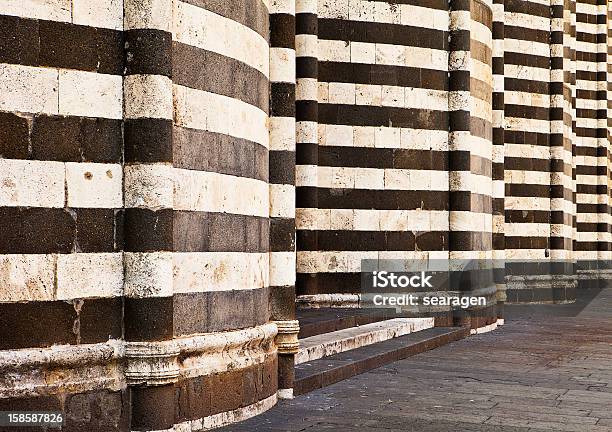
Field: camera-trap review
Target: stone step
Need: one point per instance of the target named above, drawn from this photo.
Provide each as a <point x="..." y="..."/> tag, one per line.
<point x="327" y="344"/>
<point x="320" y="373"/>
<point x="325" y="320"/>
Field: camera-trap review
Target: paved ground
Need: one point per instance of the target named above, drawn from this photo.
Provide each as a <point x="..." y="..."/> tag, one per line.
<point x="544" y="370"/>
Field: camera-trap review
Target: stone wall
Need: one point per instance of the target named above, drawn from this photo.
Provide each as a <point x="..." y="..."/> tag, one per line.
<point x="512" y="180"/>
<point x="402" y="167"/>
<point x="380" y="175"/>
<point x="161" y="161"/>
<point x="592" y="153"/>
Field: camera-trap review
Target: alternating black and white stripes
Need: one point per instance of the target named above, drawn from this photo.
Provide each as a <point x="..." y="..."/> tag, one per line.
<point x="282" y="181"/>
<point x="61" y="200"/>
<point x="560" y="159"/>
<point x="174" y="175"/>
<point x="306" y="116"/>
<point x="459" y="128"/>
<point x="592" y="146"/>
<point x="498" y="225"/>
<point x="379" y="184"/>
<point x="527" y="128"/>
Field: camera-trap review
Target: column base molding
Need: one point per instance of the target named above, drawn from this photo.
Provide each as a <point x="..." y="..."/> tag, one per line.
<point x="287" y="336"/>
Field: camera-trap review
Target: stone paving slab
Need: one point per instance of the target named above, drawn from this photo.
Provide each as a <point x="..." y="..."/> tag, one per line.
<point x="536" y="373"/>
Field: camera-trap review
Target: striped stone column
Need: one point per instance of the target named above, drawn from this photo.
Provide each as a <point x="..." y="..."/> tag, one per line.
<point x="61" y="218"/>
<point x="572" y="48"/>
<point x="527" y="149"/>
<point x="562" y="284"/>
<point x="221" y="70"/>
<point x="588" y="152"/>
<point x="459" y="120"/>
<point x="481" y="160"/>
<point x="198" y="210"/>
<point x="470" y="155"/>
<point x="608" y="169"/>
<point x="282" y="188"/>
<point x="604" y="226"/>
<point x="592" y="151"/>
<point x="306" y="51"/>
<point x="459" y="107"/>
<point x="498" y="154"/>
<point x="570" y="96"/>
<point x="151" y="365"/>
<point x="570" y="110"/>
